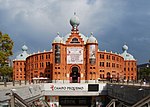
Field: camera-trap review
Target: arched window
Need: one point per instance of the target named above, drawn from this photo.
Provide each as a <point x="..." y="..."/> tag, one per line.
<point x="41" y="74"/>
<point x="75" y="40"/>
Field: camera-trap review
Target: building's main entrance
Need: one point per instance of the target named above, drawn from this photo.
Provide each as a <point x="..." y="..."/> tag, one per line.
<point x="75" y="75"/>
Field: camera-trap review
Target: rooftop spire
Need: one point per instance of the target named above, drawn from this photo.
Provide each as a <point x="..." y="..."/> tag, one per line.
<point x="125" y="48"/>
<point x="91" y="33"/>
<point x="58" y="33"/>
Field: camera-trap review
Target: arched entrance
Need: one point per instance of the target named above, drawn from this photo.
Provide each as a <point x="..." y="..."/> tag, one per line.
<point x="75" y="75"/>
<point x="108" y="76"/>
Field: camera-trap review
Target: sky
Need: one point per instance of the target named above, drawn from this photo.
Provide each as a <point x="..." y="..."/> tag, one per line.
<point x="114" y="23"/>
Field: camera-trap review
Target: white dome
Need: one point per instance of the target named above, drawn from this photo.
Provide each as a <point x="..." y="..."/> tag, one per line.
<point x="58" y="39"/>
<point x="92" y="39"/>
<point x="84" y="38"/>
<point x="125" y="54"/>
<point x="24" y="54"/>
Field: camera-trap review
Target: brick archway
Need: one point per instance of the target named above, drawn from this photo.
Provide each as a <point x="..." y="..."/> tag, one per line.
<point x="75" y="75"/>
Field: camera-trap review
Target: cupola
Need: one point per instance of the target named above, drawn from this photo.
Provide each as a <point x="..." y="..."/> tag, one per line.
<point x="92" y="39"/>
<point x="125" y="54"/>
<point x="58" y="39"/>
<point x="24" y="53"/>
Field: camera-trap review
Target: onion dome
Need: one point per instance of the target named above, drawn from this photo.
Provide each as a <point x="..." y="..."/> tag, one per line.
<point x="125" y="54"/>
<point x="24" y="53"/>
<point x="74" y="21"/>
<point x="24" y="48"/>
<point x="125" y="48"/>
<point x="58" y="39"/>
<point x="92" y="39"/>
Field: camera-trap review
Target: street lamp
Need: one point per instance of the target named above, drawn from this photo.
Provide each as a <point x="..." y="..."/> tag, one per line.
<point x="147" y="68"/>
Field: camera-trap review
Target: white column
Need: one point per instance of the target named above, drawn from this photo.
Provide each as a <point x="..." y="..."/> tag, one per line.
<point x="114" y="104"/>
<point x="148" y="104"/>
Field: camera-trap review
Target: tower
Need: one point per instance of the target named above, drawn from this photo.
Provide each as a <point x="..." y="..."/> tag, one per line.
<point x="92" y="58"/>
<point x="19" y="70"/>
<point x="130" y="66"/>
<point x="58" y="59"/>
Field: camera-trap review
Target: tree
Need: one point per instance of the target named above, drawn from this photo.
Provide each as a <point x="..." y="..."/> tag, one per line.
<point x="145" y="73"/>
<point x="6" y="46"/>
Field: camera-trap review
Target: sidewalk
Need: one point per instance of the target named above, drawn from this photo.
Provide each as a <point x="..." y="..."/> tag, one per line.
<point x="10" y="85"/>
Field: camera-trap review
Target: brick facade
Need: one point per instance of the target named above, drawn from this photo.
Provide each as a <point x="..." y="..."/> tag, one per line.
<point x="73" y="61"/>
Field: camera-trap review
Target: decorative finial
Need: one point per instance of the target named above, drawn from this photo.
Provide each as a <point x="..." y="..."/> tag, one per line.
<point x="91" y="33"/>
<point x="24" y="48"/>
<point x="24" y="43"/>
<point x="57" y="33"/>
<point x="125" y="47"/>
<point x="125" y="43"/>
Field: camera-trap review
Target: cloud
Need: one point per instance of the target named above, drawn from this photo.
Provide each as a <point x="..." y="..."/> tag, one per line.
<point x="142" y="39"/>
<point x="36" y="22"/>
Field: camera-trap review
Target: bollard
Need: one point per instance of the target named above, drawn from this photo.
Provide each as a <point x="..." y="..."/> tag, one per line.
<point x="141" y="83"/>
<point x="25" y="82"/>
<point x="127" y="82"/>
<point x="13" y="82"/>
<point x="133" y="82"/>
<point x="5" y="83"/>
<point x="19" y="82"/>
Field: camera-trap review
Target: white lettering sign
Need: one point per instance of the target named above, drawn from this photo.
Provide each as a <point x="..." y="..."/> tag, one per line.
<point x="66" y="88"/>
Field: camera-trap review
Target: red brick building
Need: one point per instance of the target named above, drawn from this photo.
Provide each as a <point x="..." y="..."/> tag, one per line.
<point x="76" y="58"/>
<point x="19" y="67"/>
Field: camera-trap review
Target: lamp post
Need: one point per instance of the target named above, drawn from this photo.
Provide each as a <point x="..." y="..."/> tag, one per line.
<point x="147" y="68"/>
<point x="25" y="76"/>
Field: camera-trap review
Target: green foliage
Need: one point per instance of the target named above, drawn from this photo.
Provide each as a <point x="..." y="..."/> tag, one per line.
<point x="6" y="70"/>
<point x="6" y="46"/>
<point x="145" y="73"/>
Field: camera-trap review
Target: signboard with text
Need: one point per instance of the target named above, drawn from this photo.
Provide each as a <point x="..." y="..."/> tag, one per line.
<point x="75" y="89"/>
<point x="74" y="55"/>
<point x="66" y="88"/>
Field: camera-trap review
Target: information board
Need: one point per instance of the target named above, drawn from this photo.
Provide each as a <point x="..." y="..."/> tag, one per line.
<point x="93" y="87"/>
<point x="74" y="55"/>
